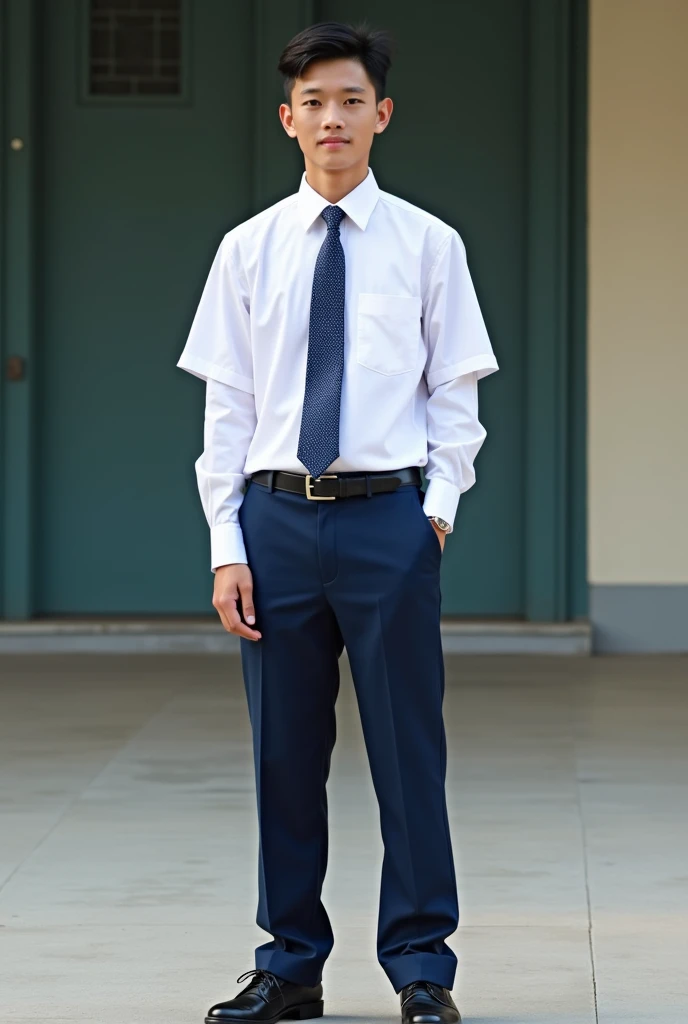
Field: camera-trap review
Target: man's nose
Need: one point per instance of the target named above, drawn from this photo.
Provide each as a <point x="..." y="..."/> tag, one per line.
<point x="333" y="118"/>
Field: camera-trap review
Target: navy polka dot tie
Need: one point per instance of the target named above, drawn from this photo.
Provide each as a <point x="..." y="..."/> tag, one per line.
<point x="319" y="436"/>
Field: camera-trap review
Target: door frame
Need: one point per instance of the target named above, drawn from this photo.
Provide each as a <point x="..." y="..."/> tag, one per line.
<point x="555" y="548"/>
<point x="554" y="542"/>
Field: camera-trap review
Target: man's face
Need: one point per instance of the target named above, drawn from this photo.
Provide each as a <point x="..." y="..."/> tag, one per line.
<point x="334" y="114"/>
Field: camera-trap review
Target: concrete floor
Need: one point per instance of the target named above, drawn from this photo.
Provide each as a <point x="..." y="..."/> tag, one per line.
<point x="127" y="858"/>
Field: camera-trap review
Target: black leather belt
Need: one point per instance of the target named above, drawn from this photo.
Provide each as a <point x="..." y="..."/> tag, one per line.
<point x="337" y="485"/>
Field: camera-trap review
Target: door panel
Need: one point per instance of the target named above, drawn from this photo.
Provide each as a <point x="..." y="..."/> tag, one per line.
<point x="456" y="146"/>
<point x="137" y="193"/>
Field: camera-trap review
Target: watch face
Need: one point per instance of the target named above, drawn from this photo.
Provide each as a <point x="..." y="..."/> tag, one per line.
<point x="443" y="525"/>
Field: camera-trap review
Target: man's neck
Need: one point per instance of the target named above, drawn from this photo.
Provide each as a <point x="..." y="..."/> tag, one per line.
<point x="334" y="185"/>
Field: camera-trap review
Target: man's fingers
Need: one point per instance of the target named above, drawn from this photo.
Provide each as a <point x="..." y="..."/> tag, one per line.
<point x="234" y="582"/>
<point x="246" y="591"/>
<point x="223" y="618"/>
<point x="231" y="619"/>
<point x="238" y="627"/>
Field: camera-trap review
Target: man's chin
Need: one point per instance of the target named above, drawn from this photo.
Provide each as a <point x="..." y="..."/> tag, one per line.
<point x="338" y="160"/>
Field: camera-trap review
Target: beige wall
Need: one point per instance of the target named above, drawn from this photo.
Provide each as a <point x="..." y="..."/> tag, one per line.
<point x="638" y="292"/>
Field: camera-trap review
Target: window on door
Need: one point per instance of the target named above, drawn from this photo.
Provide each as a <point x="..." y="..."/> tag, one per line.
<point x="135" y="48"/>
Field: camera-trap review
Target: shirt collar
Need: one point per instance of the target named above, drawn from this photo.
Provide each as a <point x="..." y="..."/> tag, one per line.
<point x="357" y="204"/>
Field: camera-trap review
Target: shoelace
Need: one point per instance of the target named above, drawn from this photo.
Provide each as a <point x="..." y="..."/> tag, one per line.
<point x="414" y="986"/>
<point x="259" y="977"/>
<point x="427" y="986"/>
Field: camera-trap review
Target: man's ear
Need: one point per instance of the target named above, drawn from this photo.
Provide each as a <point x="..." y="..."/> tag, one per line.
<point x="287" y="120"/>
<point x="384" y="113"/>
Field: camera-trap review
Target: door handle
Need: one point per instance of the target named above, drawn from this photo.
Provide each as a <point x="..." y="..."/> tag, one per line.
<point x="15" y="368"/>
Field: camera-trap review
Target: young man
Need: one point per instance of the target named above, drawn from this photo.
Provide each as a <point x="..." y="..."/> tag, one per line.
<point x="341" y="341"/>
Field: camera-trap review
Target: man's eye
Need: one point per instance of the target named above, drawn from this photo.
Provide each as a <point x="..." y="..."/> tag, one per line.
<point x="316" y="103"/>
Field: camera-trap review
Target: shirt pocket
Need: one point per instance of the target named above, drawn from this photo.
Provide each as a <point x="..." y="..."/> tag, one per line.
<point x="388" y="334"/>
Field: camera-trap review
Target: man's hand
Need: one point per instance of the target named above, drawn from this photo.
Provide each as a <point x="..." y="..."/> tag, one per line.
<point x="234" y="582"/>
<point x="441" y="534"/>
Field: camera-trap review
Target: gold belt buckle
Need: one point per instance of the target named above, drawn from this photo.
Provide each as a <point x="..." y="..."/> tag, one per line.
<point x="319" y="497"/>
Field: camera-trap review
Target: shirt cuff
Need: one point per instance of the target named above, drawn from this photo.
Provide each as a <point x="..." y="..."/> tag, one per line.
<point x="441" y="499"/>
<point x="200" y="368"/>
<point x="482" y="366"/>
<point x="226" y="545"/>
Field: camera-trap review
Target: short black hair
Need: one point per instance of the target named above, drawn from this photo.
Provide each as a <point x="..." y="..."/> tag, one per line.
<point x="329" y="40"/>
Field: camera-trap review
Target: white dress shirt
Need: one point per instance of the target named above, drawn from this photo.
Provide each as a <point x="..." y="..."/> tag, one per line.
<point x="415" y="347"/>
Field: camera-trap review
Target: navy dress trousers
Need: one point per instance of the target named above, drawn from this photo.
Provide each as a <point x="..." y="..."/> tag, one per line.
<point x="361" y="572"/>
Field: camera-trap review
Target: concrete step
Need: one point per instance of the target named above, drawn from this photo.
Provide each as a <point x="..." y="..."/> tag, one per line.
<point x="150" y="635"/>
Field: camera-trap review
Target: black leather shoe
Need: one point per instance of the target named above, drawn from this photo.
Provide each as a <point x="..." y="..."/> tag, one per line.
<point x="267" y="999"/>
<point x="425" y="1003"/>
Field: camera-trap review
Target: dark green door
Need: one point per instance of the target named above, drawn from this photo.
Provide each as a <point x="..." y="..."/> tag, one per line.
<point x="137" y="192"/>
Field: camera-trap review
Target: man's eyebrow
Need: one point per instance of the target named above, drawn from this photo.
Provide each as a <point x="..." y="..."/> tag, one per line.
<point x="346" y="88"/>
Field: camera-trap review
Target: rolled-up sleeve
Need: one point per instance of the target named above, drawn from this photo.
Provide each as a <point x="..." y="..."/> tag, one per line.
<point x="459" y="354"/>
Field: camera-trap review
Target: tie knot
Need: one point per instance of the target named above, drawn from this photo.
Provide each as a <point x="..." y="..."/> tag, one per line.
<point x="333" y="216"/>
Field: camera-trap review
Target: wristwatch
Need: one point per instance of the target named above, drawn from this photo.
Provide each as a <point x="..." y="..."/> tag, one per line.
<point x="442" y="523"/>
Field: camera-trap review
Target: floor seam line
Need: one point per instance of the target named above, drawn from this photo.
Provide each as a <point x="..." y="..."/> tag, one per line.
<point x="586" y="879"/>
